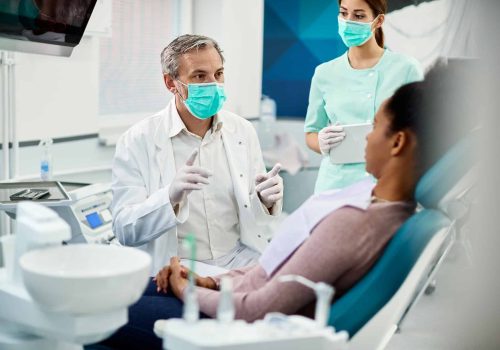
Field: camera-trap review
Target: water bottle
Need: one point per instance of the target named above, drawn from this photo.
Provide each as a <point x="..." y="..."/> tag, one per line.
<point x="225" y="308"/>
<point x="267" y="122"/>
<point x="46" y="159"/>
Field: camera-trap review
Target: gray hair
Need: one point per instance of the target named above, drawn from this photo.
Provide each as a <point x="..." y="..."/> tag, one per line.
<point x="181" y="45"/>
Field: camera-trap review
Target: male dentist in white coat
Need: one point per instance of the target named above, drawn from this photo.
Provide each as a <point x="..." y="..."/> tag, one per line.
<point x="193" y="168"/>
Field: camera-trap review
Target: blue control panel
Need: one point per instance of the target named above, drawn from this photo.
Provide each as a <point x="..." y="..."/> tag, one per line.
<point x="94" y="220"/>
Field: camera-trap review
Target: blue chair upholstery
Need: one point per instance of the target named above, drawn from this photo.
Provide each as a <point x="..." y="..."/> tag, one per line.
<point x="440" y="179"/>
<point x="375" y="289"/>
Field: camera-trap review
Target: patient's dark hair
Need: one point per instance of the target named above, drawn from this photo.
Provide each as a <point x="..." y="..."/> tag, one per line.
<point x="437" y="110"/>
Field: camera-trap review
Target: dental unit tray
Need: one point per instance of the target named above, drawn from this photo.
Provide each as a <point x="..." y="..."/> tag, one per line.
<point x="29" y="194"/>
<point x="48" y="193"/>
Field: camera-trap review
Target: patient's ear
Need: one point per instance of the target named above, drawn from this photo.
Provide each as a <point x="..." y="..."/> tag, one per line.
<point x="400" y="142"/>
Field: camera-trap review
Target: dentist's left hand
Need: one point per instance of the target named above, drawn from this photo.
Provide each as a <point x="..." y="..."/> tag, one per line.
<point x="269" y="186"/>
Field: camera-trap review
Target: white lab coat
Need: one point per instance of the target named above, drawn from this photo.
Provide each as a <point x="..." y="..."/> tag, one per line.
<point x="144" y="167"/>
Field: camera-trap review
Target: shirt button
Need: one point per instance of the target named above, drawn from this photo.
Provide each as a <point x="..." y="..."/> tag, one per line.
<point x="240" y="143"/>
<point x="246" y="206"/>
<point x="371" y="74"/>
<point x="241" y="175"/>
<point x="368" y="95"/>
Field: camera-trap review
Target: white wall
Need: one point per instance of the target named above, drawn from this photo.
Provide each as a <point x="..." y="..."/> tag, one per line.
<point x="238" y="26"/>
<point x="57" y="96"/>
<point x="441" y="28"/>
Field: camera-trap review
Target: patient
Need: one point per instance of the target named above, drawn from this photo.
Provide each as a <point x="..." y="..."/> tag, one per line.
<point x="333" y="237"/>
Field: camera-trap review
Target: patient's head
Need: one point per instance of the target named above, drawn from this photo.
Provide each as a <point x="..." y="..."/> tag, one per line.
<point x="417" y="125"/>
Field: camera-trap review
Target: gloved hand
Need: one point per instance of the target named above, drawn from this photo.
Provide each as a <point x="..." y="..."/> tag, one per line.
<point x="329" y="137"/>
<point x="188" y="178"/>
<point x="269" y="186"/>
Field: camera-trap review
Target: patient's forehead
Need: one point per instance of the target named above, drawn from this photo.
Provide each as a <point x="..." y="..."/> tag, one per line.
<point x="382" y="112"/>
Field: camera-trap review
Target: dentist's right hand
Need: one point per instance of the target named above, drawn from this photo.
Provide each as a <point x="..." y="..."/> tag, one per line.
<point x="188" y="178"/>
<point x="330" y="137"/>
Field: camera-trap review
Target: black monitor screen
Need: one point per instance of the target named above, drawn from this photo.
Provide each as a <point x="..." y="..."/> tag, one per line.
<point x="58" y="22"/>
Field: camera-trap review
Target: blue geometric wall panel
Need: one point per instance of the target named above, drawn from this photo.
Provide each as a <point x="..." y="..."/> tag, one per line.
<point x="298" y="36"/>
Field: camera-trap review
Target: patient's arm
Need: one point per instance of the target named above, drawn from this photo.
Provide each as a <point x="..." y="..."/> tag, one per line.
<point x="325" y="256"/>
<point x="235" y="274"/>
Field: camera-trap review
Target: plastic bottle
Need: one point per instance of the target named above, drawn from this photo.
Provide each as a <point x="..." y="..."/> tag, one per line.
<point x="191" y="309"/>
<point x="225" y="308"/>
<point x="46" y="159"/>
<point x="267" y="122"/>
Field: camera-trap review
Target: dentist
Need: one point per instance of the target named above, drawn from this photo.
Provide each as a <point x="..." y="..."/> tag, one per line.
<point x="193" y="168"/>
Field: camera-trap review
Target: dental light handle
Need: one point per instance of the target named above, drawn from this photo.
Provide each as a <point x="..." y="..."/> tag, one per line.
<point x="37" y="227"/>
<point x="324" y="294"/>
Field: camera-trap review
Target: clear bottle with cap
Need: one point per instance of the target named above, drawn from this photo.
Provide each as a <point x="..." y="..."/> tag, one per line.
<point x="46" y="159"/>
<point x="267" y="122"/>
<point x="191" y="309"/>
<point x="225" y="308"/>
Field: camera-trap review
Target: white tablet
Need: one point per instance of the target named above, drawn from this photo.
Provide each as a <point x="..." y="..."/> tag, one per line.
<point x="352" y="147"/>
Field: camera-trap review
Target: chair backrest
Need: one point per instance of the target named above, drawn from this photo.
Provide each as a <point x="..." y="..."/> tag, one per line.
<point x="451" y="176"/>
<point x="355" y="308"/>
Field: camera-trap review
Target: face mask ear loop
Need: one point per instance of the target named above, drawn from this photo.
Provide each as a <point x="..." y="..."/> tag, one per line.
<point x="177" y="90"/>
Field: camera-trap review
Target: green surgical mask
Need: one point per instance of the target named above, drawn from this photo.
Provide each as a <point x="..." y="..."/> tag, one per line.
<point x="355" y="33"/>
<point x="204" y="100"/>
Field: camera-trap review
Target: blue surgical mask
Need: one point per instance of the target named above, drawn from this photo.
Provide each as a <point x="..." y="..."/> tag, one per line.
<point x="355" y="33"/>
<point x="204" y="100"/>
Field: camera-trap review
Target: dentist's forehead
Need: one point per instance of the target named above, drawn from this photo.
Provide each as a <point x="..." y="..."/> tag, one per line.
<point x="206" y="59"/>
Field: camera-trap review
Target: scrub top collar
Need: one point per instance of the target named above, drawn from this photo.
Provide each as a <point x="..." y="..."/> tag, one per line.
<point x="375" y="67"/>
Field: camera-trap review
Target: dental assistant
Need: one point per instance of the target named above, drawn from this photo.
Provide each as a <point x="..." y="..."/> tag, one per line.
<point x="350" y="88"/>
<point x="194" y="168"/>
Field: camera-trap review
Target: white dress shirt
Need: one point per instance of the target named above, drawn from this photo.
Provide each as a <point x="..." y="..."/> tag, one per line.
<point x="213" y="211"/>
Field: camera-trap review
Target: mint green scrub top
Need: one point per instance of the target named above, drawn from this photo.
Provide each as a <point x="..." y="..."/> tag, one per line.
<point x="344" y="95"/>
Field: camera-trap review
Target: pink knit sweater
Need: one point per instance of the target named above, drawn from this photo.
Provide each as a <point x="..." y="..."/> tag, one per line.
<point x="340" y="250"/>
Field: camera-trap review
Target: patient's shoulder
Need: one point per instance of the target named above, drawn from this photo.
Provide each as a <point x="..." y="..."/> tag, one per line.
<point x="351" y="221"/>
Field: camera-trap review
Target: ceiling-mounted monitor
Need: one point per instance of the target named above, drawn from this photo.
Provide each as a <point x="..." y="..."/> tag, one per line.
<point x="51" y="27"/>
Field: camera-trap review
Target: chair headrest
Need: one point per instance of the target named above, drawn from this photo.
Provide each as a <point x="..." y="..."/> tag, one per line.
<point x="450" y="176"/>
<point x="355" y="308"/>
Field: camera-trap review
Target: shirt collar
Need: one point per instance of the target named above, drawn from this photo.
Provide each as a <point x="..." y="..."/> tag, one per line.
<point x="178" y="125"/>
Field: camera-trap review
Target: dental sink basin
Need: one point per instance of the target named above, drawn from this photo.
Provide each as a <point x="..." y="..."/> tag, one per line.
<point x="85" y="279"/>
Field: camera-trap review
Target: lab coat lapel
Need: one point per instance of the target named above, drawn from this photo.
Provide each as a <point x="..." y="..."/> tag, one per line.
<point x="237" y="155"/>
<point x="164" y="150"/>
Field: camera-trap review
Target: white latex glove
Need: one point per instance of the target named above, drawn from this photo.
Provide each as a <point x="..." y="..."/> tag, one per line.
<point x="329" y="137"/>
<point x="188" y="178"/>
<point x="269" y="186"/>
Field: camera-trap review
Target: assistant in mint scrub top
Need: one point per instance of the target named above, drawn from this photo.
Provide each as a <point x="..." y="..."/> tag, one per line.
<point x="350" y="88"/>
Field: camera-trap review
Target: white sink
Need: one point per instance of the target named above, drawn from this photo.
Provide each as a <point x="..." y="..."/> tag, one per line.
<point x="85" y="278"/>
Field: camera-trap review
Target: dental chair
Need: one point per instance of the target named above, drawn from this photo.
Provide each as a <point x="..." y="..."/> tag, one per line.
<point x="375" y="306"/>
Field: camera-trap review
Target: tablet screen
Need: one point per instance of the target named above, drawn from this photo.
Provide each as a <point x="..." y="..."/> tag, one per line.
<point x="352" y="148"/>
